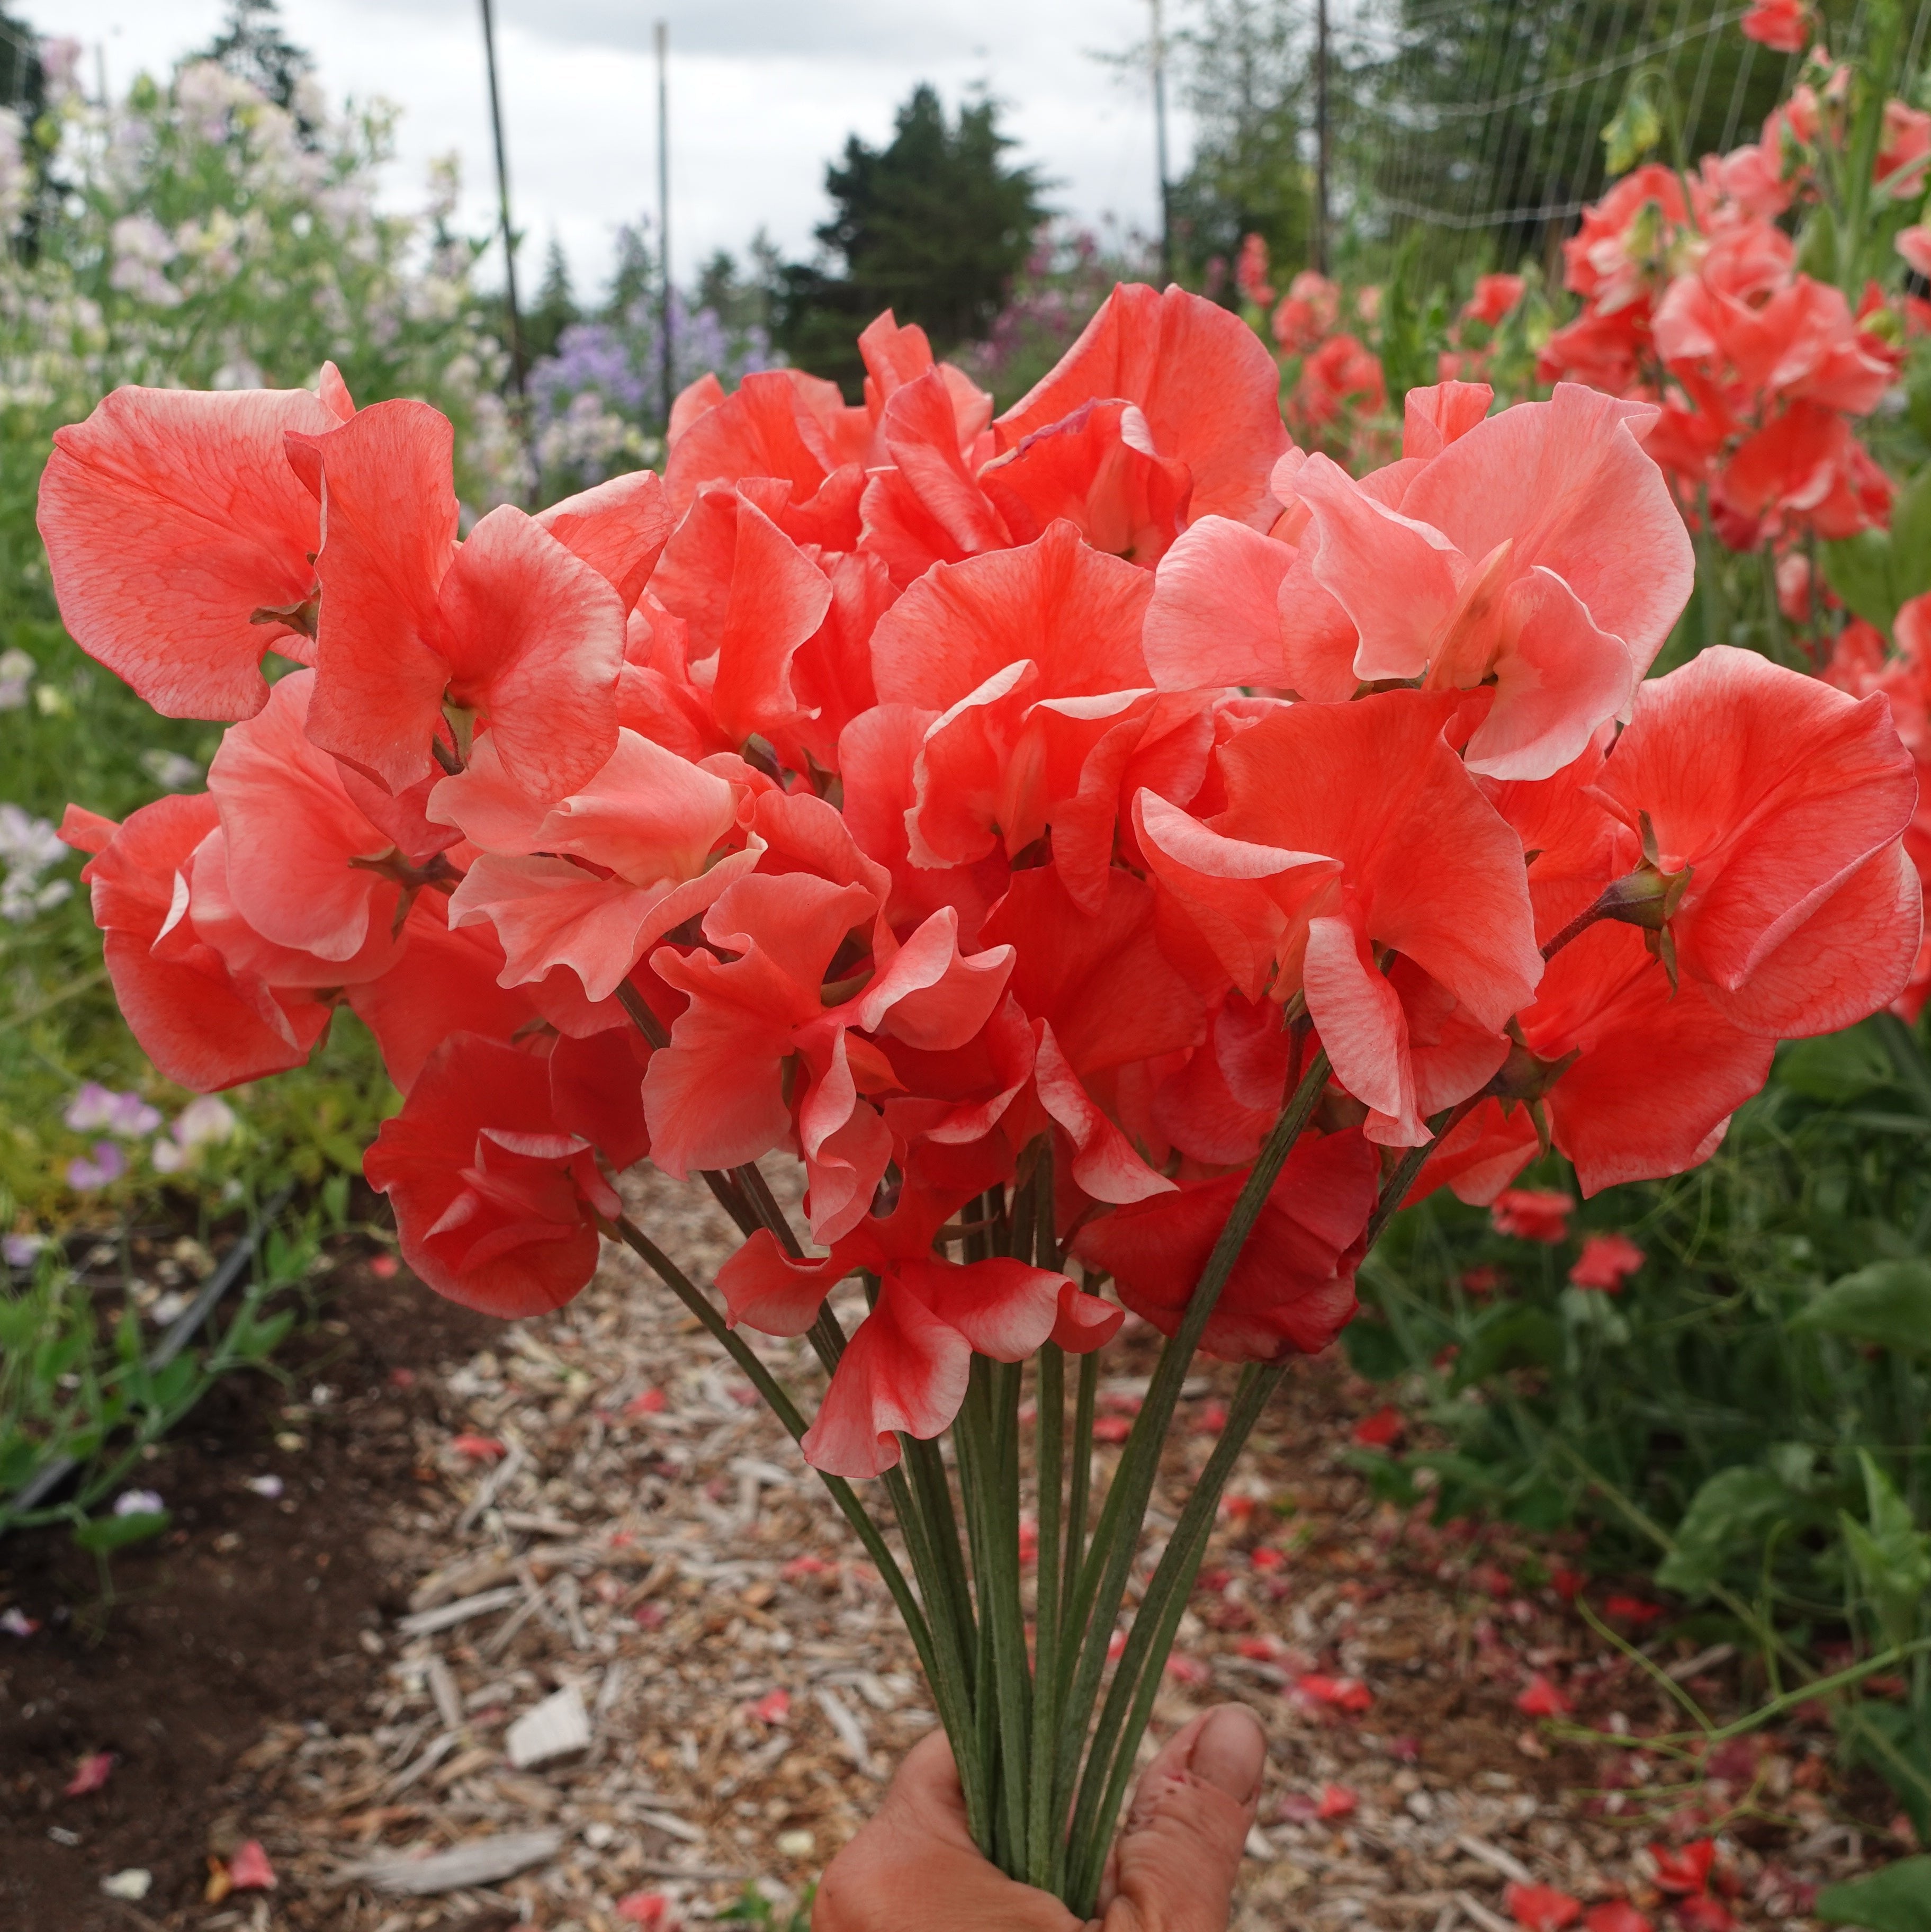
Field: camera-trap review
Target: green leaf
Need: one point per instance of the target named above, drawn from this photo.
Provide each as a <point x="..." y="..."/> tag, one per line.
<point x="1518" y="1337"/>
<point x="1911" y="538"/>
<point x="1893" y="1557"/>
<point x="1726" y="1517"/>
<point x="1389" y="1480"/>
<point x="1888" y="1304"/>
<point x="1637" y="128"/>
<point x="1374" y="1350"/>
<point x="1836" y="1066"/>
<point x="1897" y="1899"/>
<point x="102" y="1533"/>
<point x="1859" y="570"/>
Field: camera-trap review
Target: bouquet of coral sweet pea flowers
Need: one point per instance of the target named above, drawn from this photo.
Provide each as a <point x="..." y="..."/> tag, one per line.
<point x="1103" y="839"/>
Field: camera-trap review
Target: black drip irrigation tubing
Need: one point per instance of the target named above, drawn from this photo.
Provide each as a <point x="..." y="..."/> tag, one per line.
<point x="235" y="1264"/>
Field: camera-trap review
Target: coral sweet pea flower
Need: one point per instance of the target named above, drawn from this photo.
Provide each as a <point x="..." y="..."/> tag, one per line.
<point x="1102" y="996"/>
<point x="306" y="866"/>
<point x="905" y="1369"/>
<point x="1351" y="831"/>
<point x="1655" y="1077"/>
<point x="1030" y="659"/>
<point x="1606" y="1262"/>
<point x="1495" y="565"/>
<point x="1292" y="1290"/>
<point x="181" y="542"/>
<point x="202" y="1022"/>
<point x="510" y="627"/>
<point x="1206" y="388"/>
<point x="495" y="1204"/>
<point x="607" y="872"/>
<point x="1785" y="800"/>
<point x="1782" y="24"/>
<point x="717" y="1097"/>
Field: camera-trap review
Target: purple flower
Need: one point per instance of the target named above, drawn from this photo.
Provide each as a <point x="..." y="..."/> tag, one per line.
<point x="19" y="1250"/>
<point x="96" y="1107"/>
<point x="107" y="1166"/>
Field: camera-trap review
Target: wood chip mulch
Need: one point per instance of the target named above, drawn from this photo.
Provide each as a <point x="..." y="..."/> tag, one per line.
<point x="634" y="1660"/>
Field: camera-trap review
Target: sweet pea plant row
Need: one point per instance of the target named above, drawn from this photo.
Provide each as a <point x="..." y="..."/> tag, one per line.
<point x="1105" y="835"/>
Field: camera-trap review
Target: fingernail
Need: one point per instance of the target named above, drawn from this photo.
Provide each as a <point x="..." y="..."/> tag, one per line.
<point x="1230" y="1753"/>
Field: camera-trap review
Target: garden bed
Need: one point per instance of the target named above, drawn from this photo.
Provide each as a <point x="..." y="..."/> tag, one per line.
<point x="585" y="1506"/>
<point x="250" y="1608"/>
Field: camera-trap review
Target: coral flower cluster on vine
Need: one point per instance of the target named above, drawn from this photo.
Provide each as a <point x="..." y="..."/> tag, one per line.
<point x="940" y="799"/>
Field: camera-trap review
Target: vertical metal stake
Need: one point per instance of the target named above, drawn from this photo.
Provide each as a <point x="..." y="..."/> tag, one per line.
<point x="663" y="37"/>
<point x="517" y="366"/>
<point x="1160" y="147"/>
<point x="1321" y="138"/>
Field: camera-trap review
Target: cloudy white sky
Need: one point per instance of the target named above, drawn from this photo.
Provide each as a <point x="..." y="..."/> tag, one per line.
<point x="762" y="93"/>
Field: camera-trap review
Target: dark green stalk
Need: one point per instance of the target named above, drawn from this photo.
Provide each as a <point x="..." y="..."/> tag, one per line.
<point x="1129" y="1701"/>
<point x="1102" y="1582"/>
<point x="928" y="1467"/>
<point x="1050" y="1408"/>
<point x="998" y="1404"/>
<point x="1079" y="1479"/>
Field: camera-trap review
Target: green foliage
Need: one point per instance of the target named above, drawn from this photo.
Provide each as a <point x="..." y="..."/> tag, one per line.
<point x="253" y="47"/>
<point x="1244" y="81"/>
<point x="556" y="307"/>
<point x="753" y="1908"/>
<point x="1897" y="1899"/>
<point x="1747" y="1419"/>
<point x="1887" y="1305"/>
<point x="1474" y="126"/>
<point x="933" y="226"/>
<point x="1876" y="571"/>
<point x="82" y="1383"/>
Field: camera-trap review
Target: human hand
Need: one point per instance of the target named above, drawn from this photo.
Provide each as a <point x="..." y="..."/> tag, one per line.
<point x="1172" y="1868"/>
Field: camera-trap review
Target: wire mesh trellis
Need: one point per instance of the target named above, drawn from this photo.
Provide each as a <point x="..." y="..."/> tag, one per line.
<point x="1475" y="126"/>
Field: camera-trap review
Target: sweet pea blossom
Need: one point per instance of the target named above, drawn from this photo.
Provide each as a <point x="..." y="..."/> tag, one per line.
<point x="101" y="1168"/>
<point x="949" y="803"/>
<point x="1606" y="1262"/>
<point x="1534" y="1214"/>
<point x="94" y="1107"/>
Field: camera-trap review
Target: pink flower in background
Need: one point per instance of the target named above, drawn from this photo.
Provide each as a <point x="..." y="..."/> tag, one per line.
<point x="102" y="1168"/>
<point x="1532" y="1214"/>
<point x="1607" y="1261"/>
<point x="1783" y="24"/>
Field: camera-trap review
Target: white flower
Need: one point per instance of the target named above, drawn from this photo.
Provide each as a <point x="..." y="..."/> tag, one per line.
<point x="205" y="1121"/>
<point x="170" y="769"/>
<point x="138" y="1502"/>
<point x="17" y="672"/>
<point x="28" y="847"/>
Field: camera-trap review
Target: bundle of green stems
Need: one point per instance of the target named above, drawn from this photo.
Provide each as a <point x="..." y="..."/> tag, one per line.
<point x="1044" y="1736"/>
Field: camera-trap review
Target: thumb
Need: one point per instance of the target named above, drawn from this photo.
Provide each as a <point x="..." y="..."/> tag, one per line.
<point x="1174" y="1866"/>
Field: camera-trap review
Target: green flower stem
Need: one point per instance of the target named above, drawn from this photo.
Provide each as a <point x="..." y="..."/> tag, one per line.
<point x="1095" y="1607"/>
<point x="1050" y="1431"/>
<point x="968" y="1442"/>
<point x="996" y="1402"/>
<point x="1130" y="1702"/>
<point x="1079" y="1480"/>
<point x="935" y="1492"/>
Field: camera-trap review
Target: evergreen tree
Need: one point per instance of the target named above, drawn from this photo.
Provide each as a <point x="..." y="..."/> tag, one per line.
<point x="22" y="80"/>
<point x="933" y="226"/>
<point x="253" y="47"/>
<point x="556" y="307"/>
